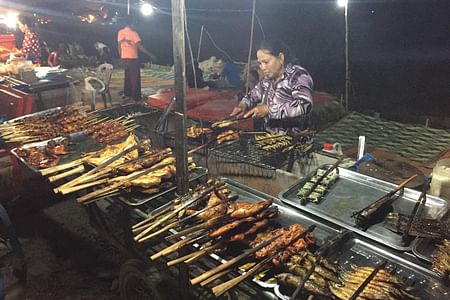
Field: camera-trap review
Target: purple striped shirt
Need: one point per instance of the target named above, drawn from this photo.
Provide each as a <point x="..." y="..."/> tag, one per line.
<point x="290" y="97"/>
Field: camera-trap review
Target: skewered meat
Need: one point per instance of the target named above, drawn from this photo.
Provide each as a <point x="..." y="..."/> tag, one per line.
<point x="239" y="209"/>
<point x="301" y="262"/>
<point x="310" y="285"/>
<point x="223" y="124"/>
<point x="229" y="135"/>
<point x="422" y="227"/>
<point x="441" y="260"/>
<point x="111" y="150"/>
<point x="252" y="209"/>
<point x="383" y="286"/>
<point x="287" y="236"/>
<point x="257" y="226"/>
<point x="194" y="131"/>
<point x="218" y="207"/>
<point x="145" y="162"/>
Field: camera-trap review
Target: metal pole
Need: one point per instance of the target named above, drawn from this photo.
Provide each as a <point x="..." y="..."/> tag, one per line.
<point x="128" y="8"/>
<point x="179" y="62"/>
<point x="200" y="40"/>
<point x="347" y="71"/>
<point x="247" y="71"/>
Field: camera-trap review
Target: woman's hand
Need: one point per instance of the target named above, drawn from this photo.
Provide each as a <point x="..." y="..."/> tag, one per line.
<point x="239" y="110"/>
<point x="259" y="111"/>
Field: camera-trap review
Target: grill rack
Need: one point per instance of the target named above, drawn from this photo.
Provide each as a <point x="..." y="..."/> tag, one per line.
<point x="127" y="110"/>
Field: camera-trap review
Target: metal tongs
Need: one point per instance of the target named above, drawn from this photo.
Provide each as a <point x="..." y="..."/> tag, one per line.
<point x="231" y="119"/>
<point x="420" y="202"/>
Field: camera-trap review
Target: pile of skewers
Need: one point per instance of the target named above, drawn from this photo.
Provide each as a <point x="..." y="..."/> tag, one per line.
<point x="124" y="167"/>
<point x="63" y="122"/>
<point x="212" y="218"/>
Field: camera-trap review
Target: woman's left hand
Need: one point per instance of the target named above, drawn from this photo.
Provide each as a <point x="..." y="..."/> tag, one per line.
<point x="259" y="111"/>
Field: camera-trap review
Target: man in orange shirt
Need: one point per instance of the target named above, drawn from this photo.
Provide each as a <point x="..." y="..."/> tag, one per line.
<point x="129" y="44"/>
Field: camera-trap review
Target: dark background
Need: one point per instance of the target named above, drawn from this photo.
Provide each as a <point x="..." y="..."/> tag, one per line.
<point x="399" y="49"/>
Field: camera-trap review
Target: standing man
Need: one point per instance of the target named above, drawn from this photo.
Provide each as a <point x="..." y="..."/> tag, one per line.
<point x="129" y="43"/>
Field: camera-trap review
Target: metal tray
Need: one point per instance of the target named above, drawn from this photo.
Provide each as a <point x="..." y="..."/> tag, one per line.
<point x="139" y="199"/>
<point x="354" y="191"/>
<point x="287" y="217"/>
<point x="36" y="114"/>
<point x="355" y="250"/>
<point x="83" y="143"/>
<point x="425" y="247"/>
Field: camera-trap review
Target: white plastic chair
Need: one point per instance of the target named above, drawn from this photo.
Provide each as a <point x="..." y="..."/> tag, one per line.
<point x="100" y="84"/>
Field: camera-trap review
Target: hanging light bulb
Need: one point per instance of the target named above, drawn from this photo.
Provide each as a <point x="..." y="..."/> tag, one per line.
<point x="147" y="9"/>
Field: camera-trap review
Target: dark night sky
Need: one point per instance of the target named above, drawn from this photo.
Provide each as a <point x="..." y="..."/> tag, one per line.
<point x="399" y="49"/>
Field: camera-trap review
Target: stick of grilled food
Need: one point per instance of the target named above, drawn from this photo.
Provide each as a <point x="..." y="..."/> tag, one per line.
<point x="231" y="262"/>
<point x="365" y="217"/>
<point x="223" y="287"/>
<point x="172" y="214"/>
<point x="60" y="176"/>
<point x="180" y="244"/>
<point x="120" y="181"/>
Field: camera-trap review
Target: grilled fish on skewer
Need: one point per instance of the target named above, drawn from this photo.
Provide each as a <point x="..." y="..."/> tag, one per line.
<point x="370" y="214"/>
<point x="422" y="227"/>
<point x="441" y="260"/>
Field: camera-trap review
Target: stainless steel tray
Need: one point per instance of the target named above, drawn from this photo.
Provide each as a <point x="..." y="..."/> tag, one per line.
<point x="36" y="114"/>
<point x="83" y="143"/>
<point x="355" y="250"/>
<point x="354" y="191"/>
<point x="424" y="248"/>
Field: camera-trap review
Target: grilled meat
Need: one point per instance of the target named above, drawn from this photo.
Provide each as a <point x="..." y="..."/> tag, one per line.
<point x="255" y="216"/>
<point x="441" y="260"/>
<point x="44" y="157"/>
<point x="430" y="228"/>
<point x="223" y="124"/>
<point x="257" y="226"/>
<point x="229" y="135"/>
<point x="239" y="209"/>
<point x="383" y="286"/>
<point x="287" y="236"/>
<point x="310" y="285"/>
<point x="194" y="131"/>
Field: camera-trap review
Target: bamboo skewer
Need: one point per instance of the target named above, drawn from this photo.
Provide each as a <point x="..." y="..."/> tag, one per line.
<point x="214" y="277"/>
<point x="57" y="177"/>
<point x="72" y="189"/>
<point x="173" y="213"/>
<point x="156" y="233"/>
<point x="180" y="259"/>
<point x="178" y="245"/>
<point x="199" y="254"/>
<point x="55" y="169"/>
<point x="231" y="262"/>
<point x="222" y="288"/>
<point x="154" y="216"/>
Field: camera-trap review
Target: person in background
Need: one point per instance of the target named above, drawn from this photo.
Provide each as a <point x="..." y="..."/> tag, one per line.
<point x="231" y="73"/>
<point x="283" y="97"/>
<point x="129" y="45"/>
<point x="194" y="75"/>
<point x="103" y="54"/>
<point x="31" y="47"/>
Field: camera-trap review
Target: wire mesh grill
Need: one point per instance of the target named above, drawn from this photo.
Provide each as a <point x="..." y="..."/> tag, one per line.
<point x="127" y="110"/>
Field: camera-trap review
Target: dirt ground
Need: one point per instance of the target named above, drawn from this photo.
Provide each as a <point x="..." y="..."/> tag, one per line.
<point x="65" y="257"/>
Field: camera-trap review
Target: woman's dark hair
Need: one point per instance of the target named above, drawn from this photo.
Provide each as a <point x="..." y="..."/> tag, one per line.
<point x="25" y="20"/>
<point x="276" y="47"/>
